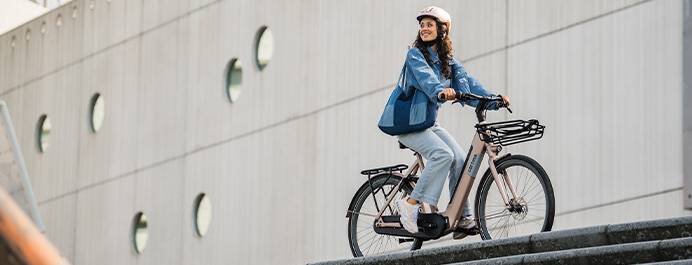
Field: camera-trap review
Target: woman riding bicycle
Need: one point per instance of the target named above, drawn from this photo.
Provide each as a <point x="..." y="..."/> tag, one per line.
<point x="432" y="69"/>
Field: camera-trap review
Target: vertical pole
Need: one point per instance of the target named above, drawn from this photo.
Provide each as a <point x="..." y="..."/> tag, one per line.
<point x="26" y="183"/>
<point x="686" y="106"/>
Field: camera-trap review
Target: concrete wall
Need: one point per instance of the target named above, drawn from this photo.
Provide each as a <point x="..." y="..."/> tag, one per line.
<point x="281" y="164"/>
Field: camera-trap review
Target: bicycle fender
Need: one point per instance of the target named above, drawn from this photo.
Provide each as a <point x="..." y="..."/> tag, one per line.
<point x="362" y="188"/>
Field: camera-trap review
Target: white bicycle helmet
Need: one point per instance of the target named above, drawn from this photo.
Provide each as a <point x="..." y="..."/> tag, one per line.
<point x="438" y="13"/>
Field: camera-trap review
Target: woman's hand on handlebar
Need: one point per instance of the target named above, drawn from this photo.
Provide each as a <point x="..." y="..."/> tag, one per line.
<point x="504" y="103"/>
<point x="447" y="94"/>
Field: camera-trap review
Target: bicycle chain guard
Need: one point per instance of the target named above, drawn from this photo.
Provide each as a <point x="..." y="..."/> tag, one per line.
<point x="431" y="226"/>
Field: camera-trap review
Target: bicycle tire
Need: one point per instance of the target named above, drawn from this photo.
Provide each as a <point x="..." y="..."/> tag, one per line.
<point x="534" y="211"/>
<point x="361" y="236"/>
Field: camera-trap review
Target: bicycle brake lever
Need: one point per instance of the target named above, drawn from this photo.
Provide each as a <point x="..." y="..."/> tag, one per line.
<point x="508" y="109"/>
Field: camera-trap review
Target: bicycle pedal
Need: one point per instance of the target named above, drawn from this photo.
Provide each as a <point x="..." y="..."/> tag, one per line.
<point x="469" y="231"/>
<point x="406" y="240"/>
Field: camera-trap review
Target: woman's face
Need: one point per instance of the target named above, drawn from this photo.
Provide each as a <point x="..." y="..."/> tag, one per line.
<point x="428" y="29"/>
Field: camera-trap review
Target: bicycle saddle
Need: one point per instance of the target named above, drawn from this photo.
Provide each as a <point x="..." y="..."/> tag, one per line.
<point x="402" y="146"/>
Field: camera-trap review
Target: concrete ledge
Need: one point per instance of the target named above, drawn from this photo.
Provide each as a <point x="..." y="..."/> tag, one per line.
<point x="612" y="234"/>
<point x="642" y="252"/>
<point x="676" y="249"/>
<point x="445" y="255"/>
<point x="589" y="240"/>
<point x="650" y="230"/>
<point x="672" y="262"/>
<point x="614" y="254"/>
<point x="569" y="239"/>
<point x="472" y="251"/>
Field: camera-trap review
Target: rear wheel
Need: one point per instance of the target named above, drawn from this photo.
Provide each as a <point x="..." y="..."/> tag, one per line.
<point x="532" y="212"/>
<point x="361" y="235"/>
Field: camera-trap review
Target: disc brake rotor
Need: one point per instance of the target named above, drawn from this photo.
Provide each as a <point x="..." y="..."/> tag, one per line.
<point x="519" y="209"/>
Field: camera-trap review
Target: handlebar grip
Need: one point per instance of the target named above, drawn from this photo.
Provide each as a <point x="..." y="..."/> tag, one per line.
<point x="441" y="96"/>
<point x="457" y="96"/>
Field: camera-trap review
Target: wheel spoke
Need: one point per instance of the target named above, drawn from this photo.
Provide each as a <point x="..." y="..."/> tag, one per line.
<point x="364" y="240"/>
<point x="532" y="209"/>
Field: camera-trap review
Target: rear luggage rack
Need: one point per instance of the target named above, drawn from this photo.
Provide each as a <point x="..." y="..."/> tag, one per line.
<point x="390" y="169"/>
<point x="375" y="171"/>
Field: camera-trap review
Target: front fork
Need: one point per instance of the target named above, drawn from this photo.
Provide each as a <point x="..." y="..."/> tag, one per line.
<point x="493" y="152"/>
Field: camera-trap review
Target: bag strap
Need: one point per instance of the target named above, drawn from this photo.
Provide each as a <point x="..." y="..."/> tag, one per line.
<point x="402" y="81"/>
<point x="402" y="77"/>
<point x="454" y="76"/>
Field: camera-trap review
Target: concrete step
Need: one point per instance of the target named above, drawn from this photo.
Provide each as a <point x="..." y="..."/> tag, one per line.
<point x="630" y="253"/>
<point x="589" y="237"/>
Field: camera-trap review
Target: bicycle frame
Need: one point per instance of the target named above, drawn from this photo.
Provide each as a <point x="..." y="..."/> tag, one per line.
<point x="454" y="209"/>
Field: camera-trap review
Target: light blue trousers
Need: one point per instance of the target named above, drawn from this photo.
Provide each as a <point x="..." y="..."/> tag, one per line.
<point x="445" y="158"/>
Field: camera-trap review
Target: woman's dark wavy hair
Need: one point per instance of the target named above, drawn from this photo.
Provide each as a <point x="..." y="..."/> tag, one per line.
<point x="444" y="48"/>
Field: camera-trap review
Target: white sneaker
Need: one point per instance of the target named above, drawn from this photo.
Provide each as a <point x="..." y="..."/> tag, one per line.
<point x="409" y="215"/>
<point x="466" y="224"/>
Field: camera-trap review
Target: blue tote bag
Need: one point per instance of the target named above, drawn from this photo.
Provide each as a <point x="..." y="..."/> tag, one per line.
<point x="402" y="114"/>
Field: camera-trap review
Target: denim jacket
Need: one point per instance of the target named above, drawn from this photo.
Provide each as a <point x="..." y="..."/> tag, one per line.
<point x="418" y="75"/>
<point x="430" y="80"/>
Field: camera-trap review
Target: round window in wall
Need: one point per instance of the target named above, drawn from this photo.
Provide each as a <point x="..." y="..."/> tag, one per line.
<point x="264" y="47"/>
<point x="139" y="232"/>
<point x="202" y="214"/>
<point x="43" y="132"/>
<point x="234" y="79"/>
<point x="96" y="112"/>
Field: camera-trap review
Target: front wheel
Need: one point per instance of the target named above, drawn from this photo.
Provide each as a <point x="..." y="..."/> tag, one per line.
<point x="532" y="212"/>
<point x="369" y="200"/>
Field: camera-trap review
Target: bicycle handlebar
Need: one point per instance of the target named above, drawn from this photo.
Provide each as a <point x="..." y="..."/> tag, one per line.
<point x="482" y="105"/>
